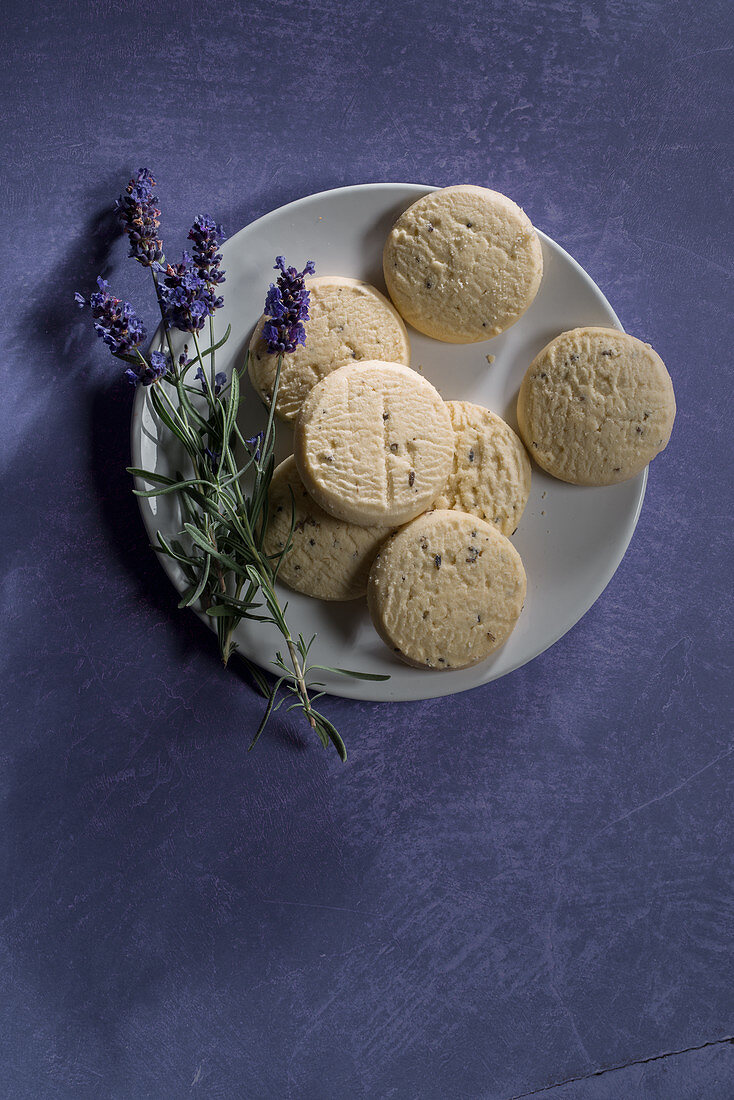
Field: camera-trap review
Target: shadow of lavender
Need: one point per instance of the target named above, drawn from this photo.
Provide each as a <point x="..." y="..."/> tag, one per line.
<point x="97" y="795"/>
<point x="66" y="337"/>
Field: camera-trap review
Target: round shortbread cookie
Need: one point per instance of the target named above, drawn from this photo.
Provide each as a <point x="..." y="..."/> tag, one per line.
<point x="446" y="590"/>
<point x="348" y="320"/>
<point x="374" y="443"/>
<point x="328" y="559"/>
<point x="491" y="472"/>
<point x="595" y="406"/>
<point x="463" y="264"/>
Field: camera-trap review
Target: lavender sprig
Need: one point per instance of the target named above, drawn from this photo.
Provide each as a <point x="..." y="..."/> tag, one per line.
<point x="286" y="305"/>
<point x="207" y="237"/>
<point x="186" y="298"/>
<point x="149" y="370"/>
<point x="115" y="321"/>
<point x="224" y="505"/>
<point x="140" y="218"/>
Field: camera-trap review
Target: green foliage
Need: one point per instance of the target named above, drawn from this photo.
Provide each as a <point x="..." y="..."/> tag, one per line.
<point x="225" y="515"/>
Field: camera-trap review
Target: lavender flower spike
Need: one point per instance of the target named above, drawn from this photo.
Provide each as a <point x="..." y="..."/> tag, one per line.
<point x="149" y="371"/>
<point x="287" y="307"/>
<point x="140" y="218"/>
<point x="115" y="322"/>
<point x="207" y="237"/>
<point x="187" y="298"/>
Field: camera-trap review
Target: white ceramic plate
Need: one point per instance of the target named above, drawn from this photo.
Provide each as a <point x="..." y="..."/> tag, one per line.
<point x="571" y="539"/>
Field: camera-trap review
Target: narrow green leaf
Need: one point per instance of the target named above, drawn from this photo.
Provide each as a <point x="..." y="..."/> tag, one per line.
<point x="232" y="406"/>
<point x="176" y="487"/>
<point x="350" y="672"/>
<point x="268" y="711"/>
<point x="174" y="550"/>
<point x="332" y="733"/>
<point x="260" y="681"/>
<point x="185" y="599"/>
<point x="149" y="475"/>
<point x="207" y="351"/>
<point x="203" y="579"/>
<point x="203" y="542"/>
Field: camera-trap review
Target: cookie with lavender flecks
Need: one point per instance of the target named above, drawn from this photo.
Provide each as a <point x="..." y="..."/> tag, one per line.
<point x="491" y="472"/>
<point x="373" y="443"/>
<point x="446" y="590"/>
<point x="595" y="406"/>
<point x="327" y="558"/>
<point x="462" y="264"/>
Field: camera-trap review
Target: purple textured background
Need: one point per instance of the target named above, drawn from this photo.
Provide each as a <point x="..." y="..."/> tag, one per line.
<point x="501" y="892"/>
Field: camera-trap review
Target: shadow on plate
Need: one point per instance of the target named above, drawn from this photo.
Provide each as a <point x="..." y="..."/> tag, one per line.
<point x="373" y="242"/>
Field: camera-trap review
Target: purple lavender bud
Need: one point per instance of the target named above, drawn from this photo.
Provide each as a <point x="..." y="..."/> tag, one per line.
<point x="187" y="298"/>
<point x="286" y="306"/>
<point x="140" y="218"/>
<point x="255" y="443"/>
<point x="214" y="458"/>
<point x="115" y="321"/>
<point x="159" y="363"/>
<point x="220" y="379"/>
<point x="154" y="368"/>
<point x="207" y="237"/>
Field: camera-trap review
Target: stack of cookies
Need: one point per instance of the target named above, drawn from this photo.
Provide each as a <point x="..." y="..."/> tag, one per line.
<point x="392" y="492"/>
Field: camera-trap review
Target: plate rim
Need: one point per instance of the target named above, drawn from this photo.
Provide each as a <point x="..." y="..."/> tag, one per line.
<point x="348" y="688"/>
